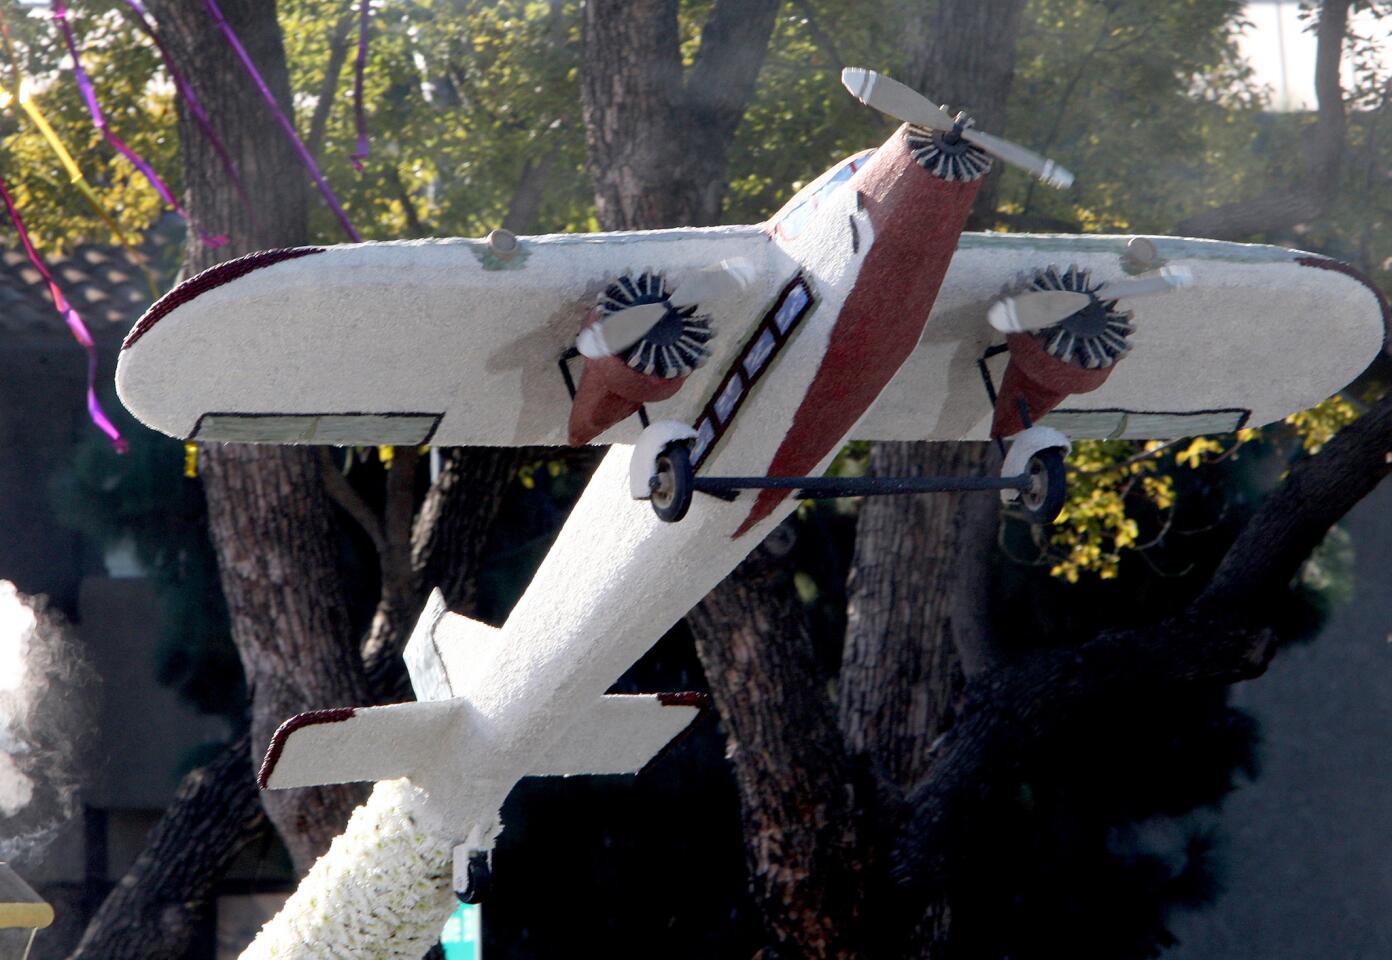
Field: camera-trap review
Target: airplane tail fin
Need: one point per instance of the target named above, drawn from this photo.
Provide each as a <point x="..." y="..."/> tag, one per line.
<point x="444" y="648"/>
<point x="619" y="733"/>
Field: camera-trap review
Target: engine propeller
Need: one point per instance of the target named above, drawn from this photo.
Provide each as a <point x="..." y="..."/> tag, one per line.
<point x="618" y="331"/>
<point x="891" y="97"/>
<point x="1038" y="309"/>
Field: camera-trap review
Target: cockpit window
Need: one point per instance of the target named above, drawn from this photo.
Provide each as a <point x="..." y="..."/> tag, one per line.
<point x="793" y="218"/>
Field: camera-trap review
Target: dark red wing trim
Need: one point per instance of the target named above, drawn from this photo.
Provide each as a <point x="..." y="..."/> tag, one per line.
<point x="684" y="699"/>
<point x="214" y="276"/>
<point x="282" y="734"/>
<point x="1338" y="266"/>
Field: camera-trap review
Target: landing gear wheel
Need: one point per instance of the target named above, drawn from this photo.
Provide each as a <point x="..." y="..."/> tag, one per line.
<point x="1043" y="499"/>
<point x="673" y="483"/>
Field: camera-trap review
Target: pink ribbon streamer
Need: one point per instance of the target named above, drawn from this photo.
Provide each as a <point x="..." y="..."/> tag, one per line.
<point x="283" y="120"/>
<point x="89" y="94"/>
<point x="74" y="322"/>
<point x="195" y="108"/>
<point x="360" y="114"/>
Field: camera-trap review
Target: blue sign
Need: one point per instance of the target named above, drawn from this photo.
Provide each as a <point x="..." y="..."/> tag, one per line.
<point x="462" y="937"/>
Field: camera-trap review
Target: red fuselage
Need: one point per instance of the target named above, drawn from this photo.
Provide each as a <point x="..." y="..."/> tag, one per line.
<point x="917" y="219"/>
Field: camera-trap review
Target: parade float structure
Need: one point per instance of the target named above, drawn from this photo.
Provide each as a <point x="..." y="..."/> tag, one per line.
<point x="725" y="367"/>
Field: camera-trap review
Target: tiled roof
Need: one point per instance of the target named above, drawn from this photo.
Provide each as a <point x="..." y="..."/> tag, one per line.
<point x="103" y="283"/>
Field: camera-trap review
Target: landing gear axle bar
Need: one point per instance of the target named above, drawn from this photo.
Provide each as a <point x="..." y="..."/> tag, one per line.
<point x="827" y="487"/>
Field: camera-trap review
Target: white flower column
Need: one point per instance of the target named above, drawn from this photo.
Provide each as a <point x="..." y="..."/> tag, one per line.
<point x="382" y="891"/>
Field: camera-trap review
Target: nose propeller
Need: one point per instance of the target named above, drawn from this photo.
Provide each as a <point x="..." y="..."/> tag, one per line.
<point x="891" y="97"/>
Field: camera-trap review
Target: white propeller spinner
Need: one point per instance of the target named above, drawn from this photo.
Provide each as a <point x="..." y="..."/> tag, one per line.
<point x="620" y="330"/>
<point x="1038" y="309"/>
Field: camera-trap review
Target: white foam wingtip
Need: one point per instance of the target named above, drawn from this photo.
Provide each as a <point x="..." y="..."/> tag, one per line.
<point x="620" y="734"/>
<point x="1035" y="311"/>
<point x="1170" y="278"/>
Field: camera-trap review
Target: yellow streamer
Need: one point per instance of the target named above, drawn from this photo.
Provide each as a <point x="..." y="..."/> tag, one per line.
<point x="191" y="460"/>
<point x="31" y="109"/>
<point x="386" y="455"/>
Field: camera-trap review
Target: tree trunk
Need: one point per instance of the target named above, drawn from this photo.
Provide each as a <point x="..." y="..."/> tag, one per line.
<point x="273" y="531"/>
<point x="270" y="518"/>
<point x="804" y="812"/>
<point x="657" y="142"/>
<point x="155" y="911"/>
<point x="917" y="605"/>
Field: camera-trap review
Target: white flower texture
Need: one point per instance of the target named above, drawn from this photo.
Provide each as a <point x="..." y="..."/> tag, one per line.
<point x="382" y="892"/>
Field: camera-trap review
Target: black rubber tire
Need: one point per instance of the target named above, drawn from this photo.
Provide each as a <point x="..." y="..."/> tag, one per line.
<point x="675" y="483"/>
<point x="478" y="882"/>
<point x="1044" y="501"/>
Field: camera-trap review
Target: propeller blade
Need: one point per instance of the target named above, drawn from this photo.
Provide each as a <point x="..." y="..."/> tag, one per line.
<point x="1035" y="311"/>
<point x="728" y="277"/>
<point x="1042" y="167"/>
<point x="892" y="97"/>
<point x="619" y="331"/>
<point x="1170" y="278"/>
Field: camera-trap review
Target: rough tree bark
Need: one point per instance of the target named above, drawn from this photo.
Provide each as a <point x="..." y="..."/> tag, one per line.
<point x="918" y="600"/>
<point x="805" y="854"/>
<point x="1224" y="636"/>
<point x="270" y="519"/>
<point x="805" y="807"/>
<point x="658" y="139"/>
<point x="155" y="911"/>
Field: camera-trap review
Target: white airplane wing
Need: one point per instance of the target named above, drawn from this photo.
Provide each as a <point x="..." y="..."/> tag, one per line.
<point x="451" y="342"/>
<point x="1261" y="333"/>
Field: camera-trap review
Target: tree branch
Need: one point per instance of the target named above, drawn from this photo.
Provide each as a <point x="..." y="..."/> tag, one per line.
<point x="525" y="206"/>
<point x="734" y="42"/>
<point x="328" y="89"/>
<point x="823" y="40"/>
<point x="1223" y="637"/>
<point x="341" y="492"/>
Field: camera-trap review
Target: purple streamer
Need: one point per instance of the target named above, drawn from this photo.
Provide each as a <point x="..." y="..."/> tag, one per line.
<point x="89" y="94"/>
<point x="360" y="154"/>
<point x="195" y="108"/>
<point x="283" y="120"/>
<point x="74" y="322"/>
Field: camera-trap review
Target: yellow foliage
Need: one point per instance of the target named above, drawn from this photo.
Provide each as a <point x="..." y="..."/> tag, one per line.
<point x="1314" y="427"/>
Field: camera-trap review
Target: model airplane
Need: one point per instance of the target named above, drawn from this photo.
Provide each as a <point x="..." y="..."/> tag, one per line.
<point x="736" y="361"/>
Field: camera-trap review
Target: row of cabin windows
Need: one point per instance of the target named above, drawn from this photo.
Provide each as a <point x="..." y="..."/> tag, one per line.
<point x="774" y="330"/>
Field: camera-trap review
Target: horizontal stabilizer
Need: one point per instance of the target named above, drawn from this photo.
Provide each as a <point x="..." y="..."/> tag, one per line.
<point x="445" y="648"/>
<point x="620" y="734"/>
<point x="349" y="744"/>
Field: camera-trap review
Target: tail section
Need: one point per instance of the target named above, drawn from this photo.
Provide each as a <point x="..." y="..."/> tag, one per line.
<point x="619" y="734"/>
<point x="349" y="744"/>
<point x="616" y="734"/>
<point x="446" y="647"/>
